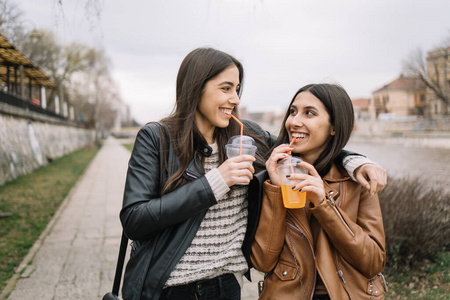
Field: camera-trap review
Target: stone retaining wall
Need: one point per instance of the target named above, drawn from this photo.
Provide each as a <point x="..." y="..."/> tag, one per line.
<point x="28" y="141"/>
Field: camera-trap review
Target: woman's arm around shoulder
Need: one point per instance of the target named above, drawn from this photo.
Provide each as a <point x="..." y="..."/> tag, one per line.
<point x="268" y="138"/>
<point x="362" y="170"/>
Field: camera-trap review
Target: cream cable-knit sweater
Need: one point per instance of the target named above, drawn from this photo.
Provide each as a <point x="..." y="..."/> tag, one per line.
<point x="216" y="248"/>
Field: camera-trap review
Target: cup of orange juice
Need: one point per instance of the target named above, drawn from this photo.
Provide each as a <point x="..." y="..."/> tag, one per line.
<point x="291" y="198"/>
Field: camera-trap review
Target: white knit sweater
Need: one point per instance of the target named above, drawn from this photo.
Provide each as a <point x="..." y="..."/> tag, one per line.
<point x="216" y="248"/>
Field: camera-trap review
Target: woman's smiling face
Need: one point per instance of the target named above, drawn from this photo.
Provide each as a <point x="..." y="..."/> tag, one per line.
<point x="309" y="122"/>
<point x="220" y="96"/>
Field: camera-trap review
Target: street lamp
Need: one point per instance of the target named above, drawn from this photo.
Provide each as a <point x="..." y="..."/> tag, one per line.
<point x="34" y="34"/>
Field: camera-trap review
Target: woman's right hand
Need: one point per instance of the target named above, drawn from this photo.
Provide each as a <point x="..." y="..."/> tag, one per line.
<point x="278" y="153"/>
<point x="237" y="170"/>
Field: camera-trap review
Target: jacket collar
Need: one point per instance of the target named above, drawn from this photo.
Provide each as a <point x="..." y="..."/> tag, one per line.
<point x="336" y="175"/>
<point x="205" y="150"/>
<point x="192" y="171"/>
<point x="333" y="181"/>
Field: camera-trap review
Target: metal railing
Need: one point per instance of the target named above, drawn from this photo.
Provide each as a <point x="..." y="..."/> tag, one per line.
<point x="17" y="101"/>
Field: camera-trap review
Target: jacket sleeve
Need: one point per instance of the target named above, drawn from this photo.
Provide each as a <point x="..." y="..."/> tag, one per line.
<point x="267" y="138"/>
<point x="145" y="211"/>
<point x="269" y="237"/>
<point x="361" y="242"/>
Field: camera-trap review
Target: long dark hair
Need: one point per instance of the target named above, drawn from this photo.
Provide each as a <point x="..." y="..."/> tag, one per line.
<point x="197" y="68"/>
<point x="340" y="109"/>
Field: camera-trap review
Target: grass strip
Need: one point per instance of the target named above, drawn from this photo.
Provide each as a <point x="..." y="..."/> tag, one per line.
<point x="129" y="146"/>
<point x="33" y="199"/>
<point x="430" y="281"/>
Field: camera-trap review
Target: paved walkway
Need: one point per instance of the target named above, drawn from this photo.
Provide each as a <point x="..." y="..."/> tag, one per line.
<point x="75" y="257"/>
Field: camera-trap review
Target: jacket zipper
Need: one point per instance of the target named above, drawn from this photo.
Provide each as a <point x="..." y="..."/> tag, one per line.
<point x="340" y="193"/>
<point x="292" y="224"/>
<point x="384" y="282"/>
<point x="333" y="204"/>
<point x="340" y="274"/>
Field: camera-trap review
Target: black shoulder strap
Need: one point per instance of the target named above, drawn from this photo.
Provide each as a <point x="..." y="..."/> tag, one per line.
<point x="120" y="263"/>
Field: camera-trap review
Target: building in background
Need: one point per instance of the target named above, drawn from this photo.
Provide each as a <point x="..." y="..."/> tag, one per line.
<point x="438" y="64"/>
<point x="269" y="119"/>
<point x="403" y="97"/>
<point x="361" y="108"/>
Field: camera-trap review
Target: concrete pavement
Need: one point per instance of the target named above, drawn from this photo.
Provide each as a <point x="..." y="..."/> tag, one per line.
<point x="75" y="257"/>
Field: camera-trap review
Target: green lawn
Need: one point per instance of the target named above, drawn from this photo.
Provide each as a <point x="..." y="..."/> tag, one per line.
<point x="431" y="281"/>
<point x="33" y="199"/>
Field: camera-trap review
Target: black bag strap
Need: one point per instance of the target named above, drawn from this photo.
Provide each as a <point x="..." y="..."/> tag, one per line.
<point x="120" y="263"/>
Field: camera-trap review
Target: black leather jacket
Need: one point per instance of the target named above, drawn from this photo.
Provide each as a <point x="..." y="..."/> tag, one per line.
<point x="163" y="227"/>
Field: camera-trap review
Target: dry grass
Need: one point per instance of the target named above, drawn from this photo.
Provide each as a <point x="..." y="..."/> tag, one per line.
<point x="416" y="221"/>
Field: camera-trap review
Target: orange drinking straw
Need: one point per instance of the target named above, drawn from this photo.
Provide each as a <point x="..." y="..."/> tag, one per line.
<point x="293" y="140"/>
<point x="242" y="131"/>
<point x="289" y="152"/>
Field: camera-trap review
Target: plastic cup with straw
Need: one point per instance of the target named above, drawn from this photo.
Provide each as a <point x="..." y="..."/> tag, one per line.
<point x="288" y="166"/>
<point x="240" y="144"/>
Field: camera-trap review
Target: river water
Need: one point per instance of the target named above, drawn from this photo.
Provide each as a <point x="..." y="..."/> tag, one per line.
<point x="432" y="165"/>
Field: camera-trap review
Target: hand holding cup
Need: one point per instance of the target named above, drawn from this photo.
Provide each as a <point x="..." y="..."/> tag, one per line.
<point x="240" y="152"/>
<point x="288" y="170"/>
<point x="305" y="179"/>
<point x="311" y="183"/>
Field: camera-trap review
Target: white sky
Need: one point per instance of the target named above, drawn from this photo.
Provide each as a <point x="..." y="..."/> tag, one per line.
<point x="283" y="44"/>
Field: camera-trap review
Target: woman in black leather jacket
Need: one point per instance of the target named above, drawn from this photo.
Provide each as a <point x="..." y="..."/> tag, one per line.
<point x="185" y="205"/>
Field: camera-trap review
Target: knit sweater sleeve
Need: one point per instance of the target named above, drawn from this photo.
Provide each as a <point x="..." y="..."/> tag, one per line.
<point x="217" y="183"/>
<point x="352" y="162"/>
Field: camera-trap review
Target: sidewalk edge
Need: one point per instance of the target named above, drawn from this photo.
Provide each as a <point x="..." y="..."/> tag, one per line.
<point x="11" y="283"/>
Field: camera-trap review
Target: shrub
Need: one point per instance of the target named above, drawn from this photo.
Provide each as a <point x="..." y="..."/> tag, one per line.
<point x="416" y="222"/>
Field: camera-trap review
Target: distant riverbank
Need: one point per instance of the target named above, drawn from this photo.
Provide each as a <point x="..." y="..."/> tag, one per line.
<point x="426" y="158"/>
<point x="430" y="134"/>
<point x="427" y="141"/>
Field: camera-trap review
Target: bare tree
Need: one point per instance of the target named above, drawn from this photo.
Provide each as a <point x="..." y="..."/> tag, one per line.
<point x="92" y="8"/>
<point x="96" y="95"/>
<point x="10" y="18"/>
<point x="81" y="74"/>
<point x="59" y="62"/>
<point x="82" y="77"/>
<point x="432" y="70"/>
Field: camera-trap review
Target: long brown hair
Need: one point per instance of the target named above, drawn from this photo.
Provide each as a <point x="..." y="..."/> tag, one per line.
<point x="197" y="68"/>
<point x="340" y="109"/>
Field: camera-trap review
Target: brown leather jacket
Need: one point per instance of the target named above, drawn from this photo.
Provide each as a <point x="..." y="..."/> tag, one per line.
<point x="349" y="252"/>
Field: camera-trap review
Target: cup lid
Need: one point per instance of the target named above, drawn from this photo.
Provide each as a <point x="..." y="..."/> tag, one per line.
<point x="290" y="160"/>
<point x="241" y="139"/>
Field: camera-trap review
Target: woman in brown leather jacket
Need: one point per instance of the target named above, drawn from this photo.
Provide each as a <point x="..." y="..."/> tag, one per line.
<point x="334" y="247"/>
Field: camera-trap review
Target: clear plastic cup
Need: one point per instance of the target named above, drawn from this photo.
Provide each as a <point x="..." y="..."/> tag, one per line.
<point x="240" y="145"/>
<point x="291" y="198"/>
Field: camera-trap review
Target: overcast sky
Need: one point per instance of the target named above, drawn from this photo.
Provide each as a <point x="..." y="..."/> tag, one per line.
<point x="283" y="44"/>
